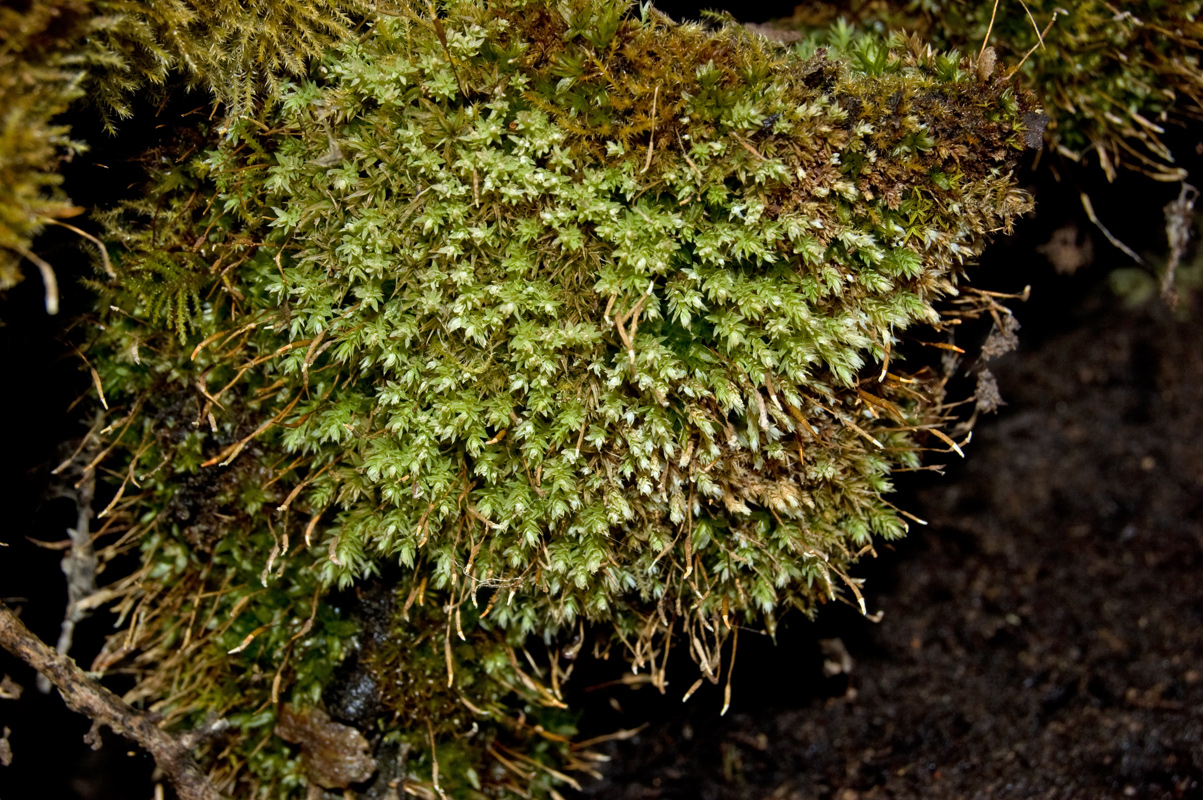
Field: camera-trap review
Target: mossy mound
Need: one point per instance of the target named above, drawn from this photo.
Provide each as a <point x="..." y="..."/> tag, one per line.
<point x="1114" y="79"/>
<point x="537" y="324"/>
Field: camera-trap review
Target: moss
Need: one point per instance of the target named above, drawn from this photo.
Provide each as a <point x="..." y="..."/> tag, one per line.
<point x="566" y="328"/>
<point x="36" y="84"/>
<point x="1113" y="80"/>
<point x="53" y="53"/>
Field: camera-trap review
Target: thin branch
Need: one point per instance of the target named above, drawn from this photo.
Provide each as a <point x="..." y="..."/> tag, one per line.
<point x="79" y="565"/>
<point x="85" y="695"/>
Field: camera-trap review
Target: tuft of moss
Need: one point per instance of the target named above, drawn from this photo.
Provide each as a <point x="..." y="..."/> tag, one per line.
<point x="36" y="84"/>
<point x="518" y="331"/>
<point x="53" y="53"/>
<point x="1113" y="80"/>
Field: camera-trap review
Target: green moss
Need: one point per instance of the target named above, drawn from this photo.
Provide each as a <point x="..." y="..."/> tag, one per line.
<point x="567" y="325"/>
<point x="1114" y="79"/>
<point x="55" y="52"/>
<point x="36" y="83"/>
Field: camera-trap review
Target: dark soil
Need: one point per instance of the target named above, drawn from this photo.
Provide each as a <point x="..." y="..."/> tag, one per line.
<point x="1042" y="637"/>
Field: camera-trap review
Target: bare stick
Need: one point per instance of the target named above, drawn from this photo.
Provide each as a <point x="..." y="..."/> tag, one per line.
<point x="85" y="695"/>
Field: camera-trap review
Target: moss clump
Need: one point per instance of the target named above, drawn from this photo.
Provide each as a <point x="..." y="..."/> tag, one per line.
<point x="549" y="323"/>
<point x="36" y="84"/>
<point x="1112" y="79"/>
<point x="55" y="52"/>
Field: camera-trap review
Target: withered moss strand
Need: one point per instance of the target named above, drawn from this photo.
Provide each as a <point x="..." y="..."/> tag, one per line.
<point x="520" y="316"/>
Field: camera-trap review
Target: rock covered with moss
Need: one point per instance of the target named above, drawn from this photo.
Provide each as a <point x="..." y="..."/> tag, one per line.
<point x="520" y="332"/>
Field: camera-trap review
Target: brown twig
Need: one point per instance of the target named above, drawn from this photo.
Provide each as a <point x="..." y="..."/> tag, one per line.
<point x="85" y="695"/>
